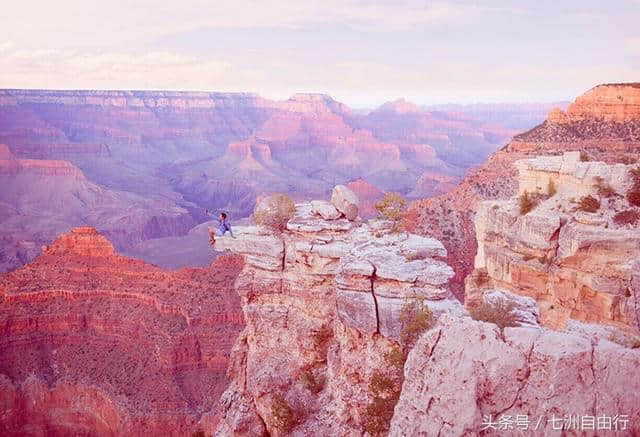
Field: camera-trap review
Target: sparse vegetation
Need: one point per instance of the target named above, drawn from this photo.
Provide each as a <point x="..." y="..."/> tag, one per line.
<point x="527" y="203"/>
<point x="584" y="156"/>
<point x="589" y="204"/>
<point x="311" y="380"/>
<point x="604" y="189"/>
<point x="413" y="256"/>
<point x="393" y="207"/>
<point x="198" y="433"/>
<point x="626" y="217"/>
<point x="416" y="318"/>
<point x="500" y="313"/>
<point x="633" y="195"/>
<point x="625" y="340"/>
<point x="551" y="188"/>
<point x="285" y="417"/>
<point x="276" y="211"/>
<point x="385" y="385"/>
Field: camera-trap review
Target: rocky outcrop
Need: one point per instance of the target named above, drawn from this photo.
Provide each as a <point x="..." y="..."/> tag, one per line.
<point x="466" y="378"/>
<point x="325" y="306"/>
<point x="322" y="304"/>
<point x="575" y="264"/>
<point x="598" y="132"/>
<point x="92" y="342"/>
<point x="345" y="201"/>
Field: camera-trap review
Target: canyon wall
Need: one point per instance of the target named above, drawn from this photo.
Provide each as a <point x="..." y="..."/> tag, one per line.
<point x="324" y="350"/>
<point x="577" y="263"/>
<point x="604" y="123"/>
<point x="94" y="343"/>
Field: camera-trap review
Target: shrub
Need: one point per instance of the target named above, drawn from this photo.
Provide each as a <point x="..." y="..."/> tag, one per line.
<point x="395" y="357"/>
<point x="274" y="212"/>
<point x="604" y="189"/>
<point x="311" y="381"/>
<point x="633" y="196"/>
<point x="589" y="204"/>
<point x="527" y="203"/>
<point x="415" y="317"/>
<point x="584" y="156"/>
<point x="412" y="256"/>
<point x="285" y="418"/>
<point x="551" y="188"/>
<point x="198" y="433"/>
<point x="500" y="313"/>
<point x="386" y="392"/>
<point x="626" y="217"/>
<point x="393" y="207"/>
<point x="625" y="340"/>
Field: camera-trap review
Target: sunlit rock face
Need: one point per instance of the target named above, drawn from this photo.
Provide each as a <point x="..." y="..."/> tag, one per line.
<point x="576" y="264"/>
<point x="604" y="123"/>
<point x="324" y="295"/>
<point x="94" y="343"/>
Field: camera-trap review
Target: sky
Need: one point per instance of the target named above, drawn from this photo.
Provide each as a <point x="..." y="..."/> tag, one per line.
<point x="362" y="53"/>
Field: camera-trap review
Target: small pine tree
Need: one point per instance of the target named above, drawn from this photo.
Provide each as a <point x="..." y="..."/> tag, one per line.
<point x="393" y="207"/>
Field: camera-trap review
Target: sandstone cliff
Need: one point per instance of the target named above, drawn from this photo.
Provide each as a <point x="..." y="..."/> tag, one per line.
<point x="576" y="264"/>
<point x="94" y="343"/>
<point x="324" y="304"/>
<point x="604" y="123"/>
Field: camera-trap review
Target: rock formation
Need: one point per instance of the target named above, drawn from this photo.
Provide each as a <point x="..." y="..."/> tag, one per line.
<point x="94" y="343"/>
<point x="322" y="304"/>
<point x="604" y="123"/>
<point x="325" y="304"/>
<point x="576" y="264"/>
<point x="43" y="198"/>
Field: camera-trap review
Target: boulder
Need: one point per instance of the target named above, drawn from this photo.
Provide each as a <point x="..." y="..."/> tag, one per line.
<point x="345" y="201"/>
<point x="324" y="209"/>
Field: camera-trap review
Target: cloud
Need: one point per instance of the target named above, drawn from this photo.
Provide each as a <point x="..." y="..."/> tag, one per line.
<point x="116" y="23"/>
<point x="71" y="69"/>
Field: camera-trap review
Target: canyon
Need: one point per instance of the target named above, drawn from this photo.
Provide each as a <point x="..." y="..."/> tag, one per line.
<point x="154" y="161"/>
<point x="603" y="123"/>
<point x="95" y="343"/>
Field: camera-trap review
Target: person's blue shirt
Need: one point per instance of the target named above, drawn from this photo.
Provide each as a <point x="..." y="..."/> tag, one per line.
<point x="223" y="227"/>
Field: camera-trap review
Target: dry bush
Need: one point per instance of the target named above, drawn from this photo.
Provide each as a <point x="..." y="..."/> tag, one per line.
<point x="584" y="156"/>
<point x="604" y="189"/>
<point x="551" y="188"/>
<point x="500" y="313"/>
<point x="198" y="433"/>
<point x="633" y="195"/>
<point x="625" y="340"/>
<point x="393" y="207"/>
<point x="527" y="203"/>
<point x="385" y="388"/>
<point x="274" y="212"/>
<point x="285" y="417"/>
<point x="589" y="204"/>
<point x="311" y="381"/>
<point x="416" y="318"/>
<point x="626" y="217"/>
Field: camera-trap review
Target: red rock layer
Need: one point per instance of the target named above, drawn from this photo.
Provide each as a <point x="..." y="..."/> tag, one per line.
<point x="94" y="342"/>
<point x="608" y="129"/>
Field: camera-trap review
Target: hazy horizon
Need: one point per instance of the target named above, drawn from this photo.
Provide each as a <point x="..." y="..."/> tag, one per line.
<point x="360" y="53"/>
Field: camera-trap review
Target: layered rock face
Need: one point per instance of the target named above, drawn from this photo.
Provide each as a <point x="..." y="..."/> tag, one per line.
<point x="575" y="264"/>
<point x="324" y="304"/>
<point x="94" y="343"/>
<point x="322" y="301"/>
<point x="604" y="123"/>
<point x="44" y="198"/>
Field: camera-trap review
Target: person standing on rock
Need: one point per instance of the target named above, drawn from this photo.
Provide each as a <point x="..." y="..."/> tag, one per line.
<point x="223" y="227"/>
